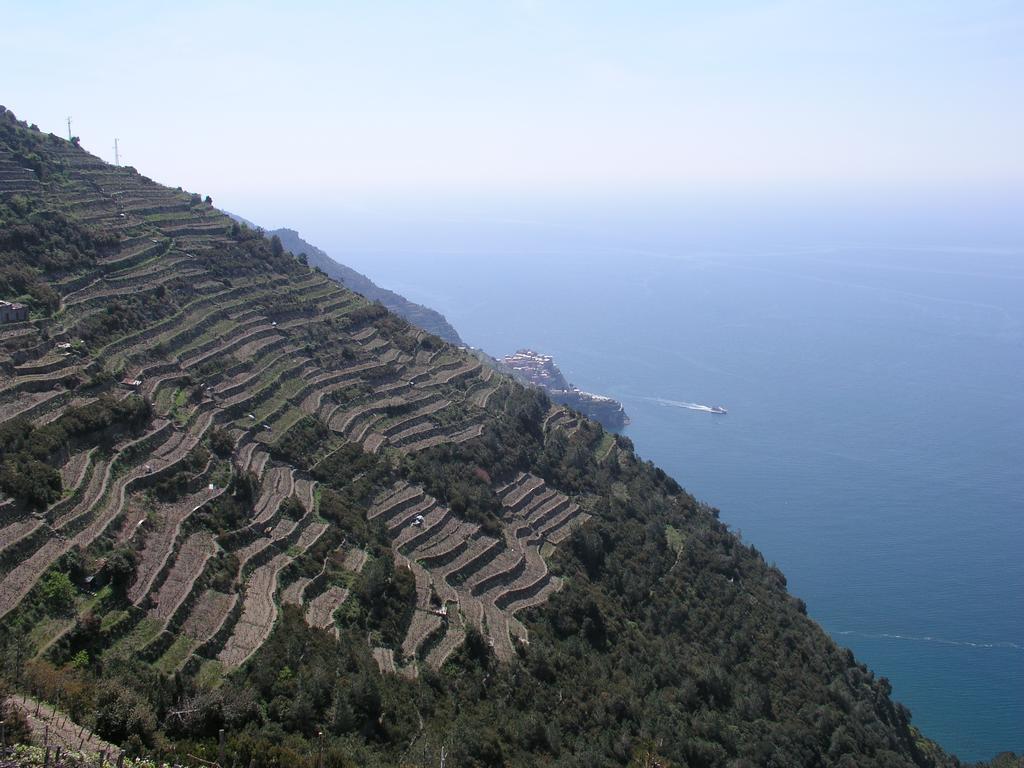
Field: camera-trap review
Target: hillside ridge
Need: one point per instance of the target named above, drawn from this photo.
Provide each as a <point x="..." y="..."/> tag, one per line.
<point x="423" y="317"/>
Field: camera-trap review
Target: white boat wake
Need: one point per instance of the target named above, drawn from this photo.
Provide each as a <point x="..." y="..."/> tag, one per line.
<point x="929" y="639"/>
<point x="687" y="406"/>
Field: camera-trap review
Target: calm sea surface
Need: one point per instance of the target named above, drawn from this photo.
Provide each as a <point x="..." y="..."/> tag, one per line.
<point x="874" y="445"/>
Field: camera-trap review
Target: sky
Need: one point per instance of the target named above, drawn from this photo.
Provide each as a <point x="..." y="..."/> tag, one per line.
<point x="269" y="107"/>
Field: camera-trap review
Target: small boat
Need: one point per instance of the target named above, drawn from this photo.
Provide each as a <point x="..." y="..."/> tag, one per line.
<point x="718" y="409"/>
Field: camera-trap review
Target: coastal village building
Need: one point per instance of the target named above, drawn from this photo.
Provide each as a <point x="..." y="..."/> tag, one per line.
<point x="11" y="312"/>
<point x="537" y="369"/>
<point x="541" y="371"/>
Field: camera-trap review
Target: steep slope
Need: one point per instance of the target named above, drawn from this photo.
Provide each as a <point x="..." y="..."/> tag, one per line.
<point x="423" y="317"/>
<point x="238" y="495"/>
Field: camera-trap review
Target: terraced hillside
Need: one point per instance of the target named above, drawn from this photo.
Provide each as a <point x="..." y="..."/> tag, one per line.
<point x="256" y="360"/>
<point x="238" y="495"/>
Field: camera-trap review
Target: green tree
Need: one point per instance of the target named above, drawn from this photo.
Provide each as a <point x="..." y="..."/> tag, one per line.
<point x="122" y="714"/>
<point x="221" y="442"/>
<point x="292" y="508"/>
<point x="58" y="592"/>
<point x="119" y="570"/>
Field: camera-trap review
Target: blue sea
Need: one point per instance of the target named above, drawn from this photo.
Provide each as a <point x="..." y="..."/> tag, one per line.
<point x="874" y="442"/>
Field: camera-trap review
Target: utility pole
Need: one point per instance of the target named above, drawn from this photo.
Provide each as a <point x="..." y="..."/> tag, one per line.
<point x="117" y="157"/>
<point x="69" y="128"/>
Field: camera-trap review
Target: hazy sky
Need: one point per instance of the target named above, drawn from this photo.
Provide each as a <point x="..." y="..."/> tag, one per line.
<point x="264" y="105"/>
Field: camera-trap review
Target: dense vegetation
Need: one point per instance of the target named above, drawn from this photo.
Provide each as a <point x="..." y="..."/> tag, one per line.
<point x="35" y="243"/>
<point x="28" y="453"/>
<point x="667" y="642"/>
